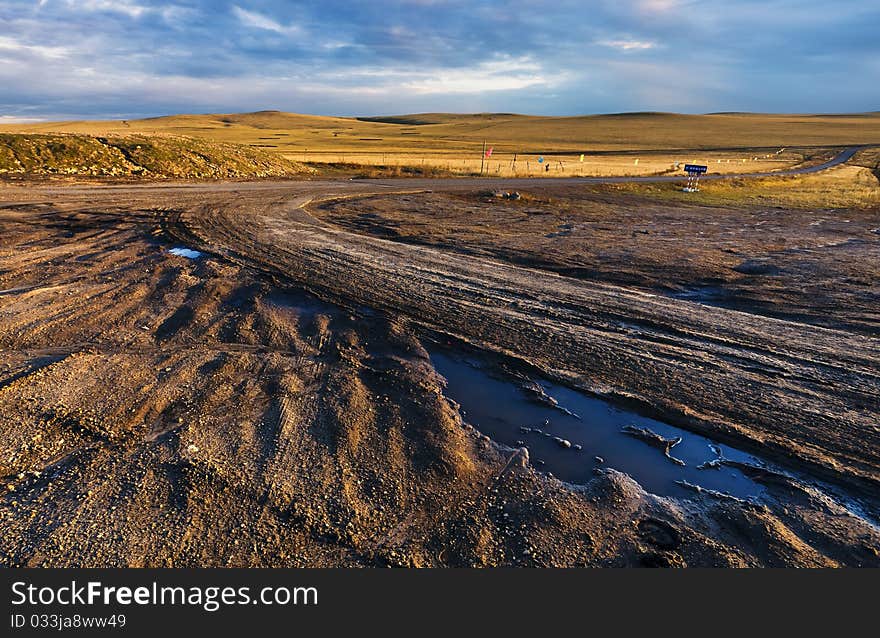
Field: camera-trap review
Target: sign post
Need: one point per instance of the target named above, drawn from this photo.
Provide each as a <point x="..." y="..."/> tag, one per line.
<point x="693" y="172"/>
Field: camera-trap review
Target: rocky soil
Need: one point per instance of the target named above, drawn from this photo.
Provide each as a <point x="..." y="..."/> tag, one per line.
<point x="271" y="402"/>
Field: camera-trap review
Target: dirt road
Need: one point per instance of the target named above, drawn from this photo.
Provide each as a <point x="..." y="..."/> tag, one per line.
<point x="206" y="412"/>
<point x="694" y="363"/>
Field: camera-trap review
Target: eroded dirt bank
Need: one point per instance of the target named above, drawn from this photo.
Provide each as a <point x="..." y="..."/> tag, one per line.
<point x="159" y="410"/>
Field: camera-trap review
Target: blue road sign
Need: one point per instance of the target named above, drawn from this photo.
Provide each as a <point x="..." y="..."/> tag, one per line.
<point x="695" y="168"/>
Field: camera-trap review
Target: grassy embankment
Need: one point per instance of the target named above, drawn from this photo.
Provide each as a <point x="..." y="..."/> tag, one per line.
<point x="79" y="155"/>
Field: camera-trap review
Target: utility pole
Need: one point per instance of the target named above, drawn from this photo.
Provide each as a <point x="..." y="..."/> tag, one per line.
<point x="483" y="157"/>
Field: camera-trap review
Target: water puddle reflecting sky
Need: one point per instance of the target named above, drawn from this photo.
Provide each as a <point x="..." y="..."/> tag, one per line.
<point x="189" y="253"/>
<point x="502" y="409"/>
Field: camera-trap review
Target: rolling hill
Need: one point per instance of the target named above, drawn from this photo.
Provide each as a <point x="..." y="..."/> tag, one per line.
<point x="290" y="133"/>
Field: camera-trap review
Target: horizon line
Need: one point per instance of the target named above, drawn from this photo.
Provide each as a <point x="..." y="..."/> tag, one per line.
<point x="24" y="119"/>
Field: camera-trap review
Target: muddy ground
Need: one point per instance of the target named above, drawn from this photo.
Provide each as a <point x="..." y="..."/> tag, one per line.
<point x="161" y="410"/>
<point x="817" y="266"/>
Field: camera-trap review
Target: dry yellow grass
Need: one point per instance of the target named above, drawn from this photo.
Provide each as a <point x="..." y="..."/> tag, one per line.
<point x="452" y="142"/>
<point x="846" y="186"/>
<point x="563" y="165"/>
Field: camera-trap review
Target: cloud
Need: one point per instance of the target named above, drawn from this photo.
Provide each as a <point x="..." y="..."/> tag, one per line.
<point x="12" y="119"/>
<point x="627" y="45"/>
<point x="659" y="6"/>
<point x="125" y="7"/>
<point x="258" y="21"/>
<point x="504" y="74"/>
<point x="108" y="58"/>
<point x="49" y="52"/>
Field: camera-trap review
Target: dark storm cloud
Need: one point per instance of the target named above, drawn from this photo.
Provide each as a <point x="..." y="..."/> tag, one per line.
<point x="72" y="58"/>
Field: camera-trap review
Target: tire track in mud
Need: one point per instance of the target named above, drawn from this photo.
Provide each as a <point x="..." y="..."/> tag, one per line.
<point x="797" y="393"/>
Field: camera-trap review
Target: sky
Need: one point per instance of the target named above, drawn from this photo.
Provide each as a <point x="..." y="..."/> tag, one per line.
<point x="72" y="59"/>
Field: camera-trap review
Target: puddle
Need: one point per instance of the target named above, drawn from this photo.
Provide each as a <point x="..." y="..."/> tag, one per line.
<point x="189" y="253"/>
<point x="501" y="409"/>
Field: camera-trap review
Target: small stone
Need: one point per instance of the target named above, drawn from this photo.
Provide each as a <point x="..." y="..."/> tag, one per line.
<point x="192" y="449"/>
<point x="578" y="447"/>
<point x="599" y="459"/>
<point x="562" y="442"/>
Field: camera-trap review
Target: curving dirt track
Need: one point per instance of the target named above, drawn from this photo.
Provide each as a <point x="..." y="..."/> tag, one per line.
<point x="157" y="410"/>
<point x="812" y="392"/>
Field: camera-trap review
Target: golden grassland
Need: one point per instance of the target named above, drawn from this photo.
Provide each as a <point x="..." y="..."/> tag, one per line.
<point x="622" y="144"/>
<point x="289" y="132"/>
<point x="501" y="164"/>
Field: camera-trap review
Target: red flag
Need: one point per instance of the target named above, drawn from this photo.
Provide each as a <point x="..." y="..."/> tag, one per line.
<point x="489" y="152"/>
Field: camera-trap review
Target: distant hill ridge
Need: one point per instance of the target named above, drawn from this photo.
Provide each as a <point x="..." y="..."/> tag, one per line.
<point x="456" y="135"/>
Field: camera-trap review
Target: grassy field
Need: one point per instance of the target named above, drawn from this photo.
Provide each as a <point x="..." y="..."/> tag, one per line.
<point x="501" y="164"/>
<point x="624" y="144"/>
